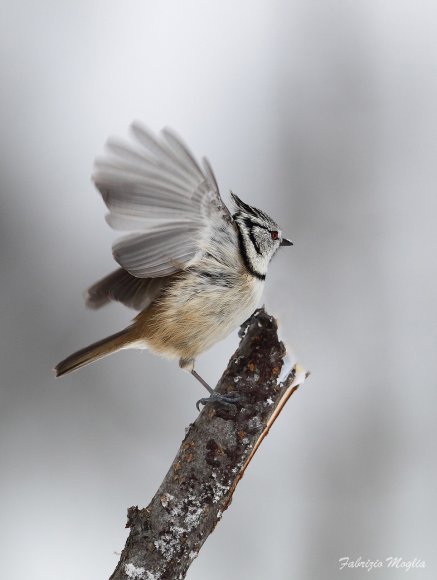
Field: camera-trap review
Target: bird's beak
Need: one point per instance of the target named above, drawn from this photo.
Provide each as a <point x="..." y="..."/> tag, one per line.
<point x="286" y="242"/>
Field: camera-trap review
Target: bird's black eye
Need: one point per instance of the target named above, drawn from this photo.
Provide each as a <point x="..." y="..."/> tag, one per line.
<point x="275" y="235"/>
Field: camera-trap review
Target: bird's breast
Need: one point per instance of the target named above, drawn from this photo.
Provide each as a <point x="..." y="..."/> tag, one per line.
<point x="199" y="308"/>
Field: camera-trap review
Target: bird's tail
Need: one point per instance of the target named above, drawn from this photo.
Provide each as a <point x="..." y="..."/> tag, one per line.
<point x="93" y="352"/>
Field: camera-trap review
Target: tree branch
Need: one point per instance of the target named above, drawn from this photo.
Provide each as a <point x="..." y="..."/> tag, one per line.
<point x="167" y="535"/>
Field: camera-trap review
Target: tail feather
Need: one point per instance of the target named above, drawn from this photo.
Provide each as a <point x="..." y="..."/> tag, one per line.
<point x="92" y="353"/>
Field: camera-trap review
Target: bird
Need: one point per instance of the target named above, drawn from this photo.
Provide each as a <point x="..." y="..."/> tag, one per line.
<point x="194" y="270"/>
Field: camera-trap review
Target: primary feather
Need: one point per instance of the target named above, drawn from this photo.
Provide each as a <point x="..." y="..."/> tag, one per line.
<point x="153" y="186"/>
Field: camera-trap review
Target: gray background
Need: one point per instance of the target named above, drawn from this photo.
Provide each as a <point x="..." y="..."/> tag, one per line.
<point x="324" y="115"/>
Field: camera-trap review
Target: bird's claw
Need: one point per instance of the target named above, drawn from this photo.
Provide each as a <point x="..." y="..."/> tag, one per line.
<point x="230" y="399"/>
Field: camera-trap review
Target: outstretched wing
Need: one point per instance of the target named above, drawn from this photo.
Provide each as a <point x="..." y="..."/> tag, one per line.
<point x="153" y="186"/>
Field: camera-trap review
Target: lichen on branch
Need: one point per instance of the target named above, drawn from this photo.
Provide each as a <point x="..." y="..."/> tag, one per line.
<point x="167" y="535"/>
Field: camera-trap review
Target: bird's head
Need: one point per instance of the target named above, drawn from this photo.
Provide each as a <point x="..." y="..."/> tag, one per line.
<point x="260" y="237"/>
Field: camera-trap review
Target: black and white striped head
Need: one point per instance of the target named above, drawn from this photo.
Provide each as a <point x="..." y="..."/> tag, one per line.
<point x="260" y="237"/>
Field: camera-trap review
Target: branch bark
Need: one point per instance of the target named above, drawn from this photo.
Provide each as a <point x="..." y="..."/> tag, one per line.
<point x="167" y="535"/>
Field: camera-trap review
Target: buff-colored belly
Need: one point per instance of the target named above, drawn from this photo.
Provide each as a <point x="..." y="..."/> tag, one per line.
<point x="188" y="320"/>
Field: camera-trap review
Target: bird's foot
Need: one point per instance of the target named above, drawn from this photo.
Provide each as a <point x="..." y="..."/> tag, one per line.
<point x="230" y="399"/>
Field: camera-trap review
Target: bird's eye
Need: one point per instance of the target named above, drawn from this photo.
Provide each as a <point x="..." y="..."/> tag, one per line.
<point x="275" y="235"/>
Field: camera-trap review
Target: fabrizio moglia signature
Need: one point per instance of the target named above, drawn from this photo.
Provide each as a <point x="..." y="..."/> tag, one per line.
<point x="390" y="562"/>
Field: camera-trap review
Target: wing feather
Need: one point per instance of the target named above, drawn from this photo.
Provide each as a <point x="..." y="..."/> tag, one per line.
<point x="154" y="186"/>
<point x="122" y="287"/>
<point x="157" y="253"/>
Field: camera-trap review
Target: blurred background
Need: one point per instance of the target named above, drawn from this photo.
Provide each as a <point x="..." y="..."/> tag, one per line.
<point x="322" y="113"/>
